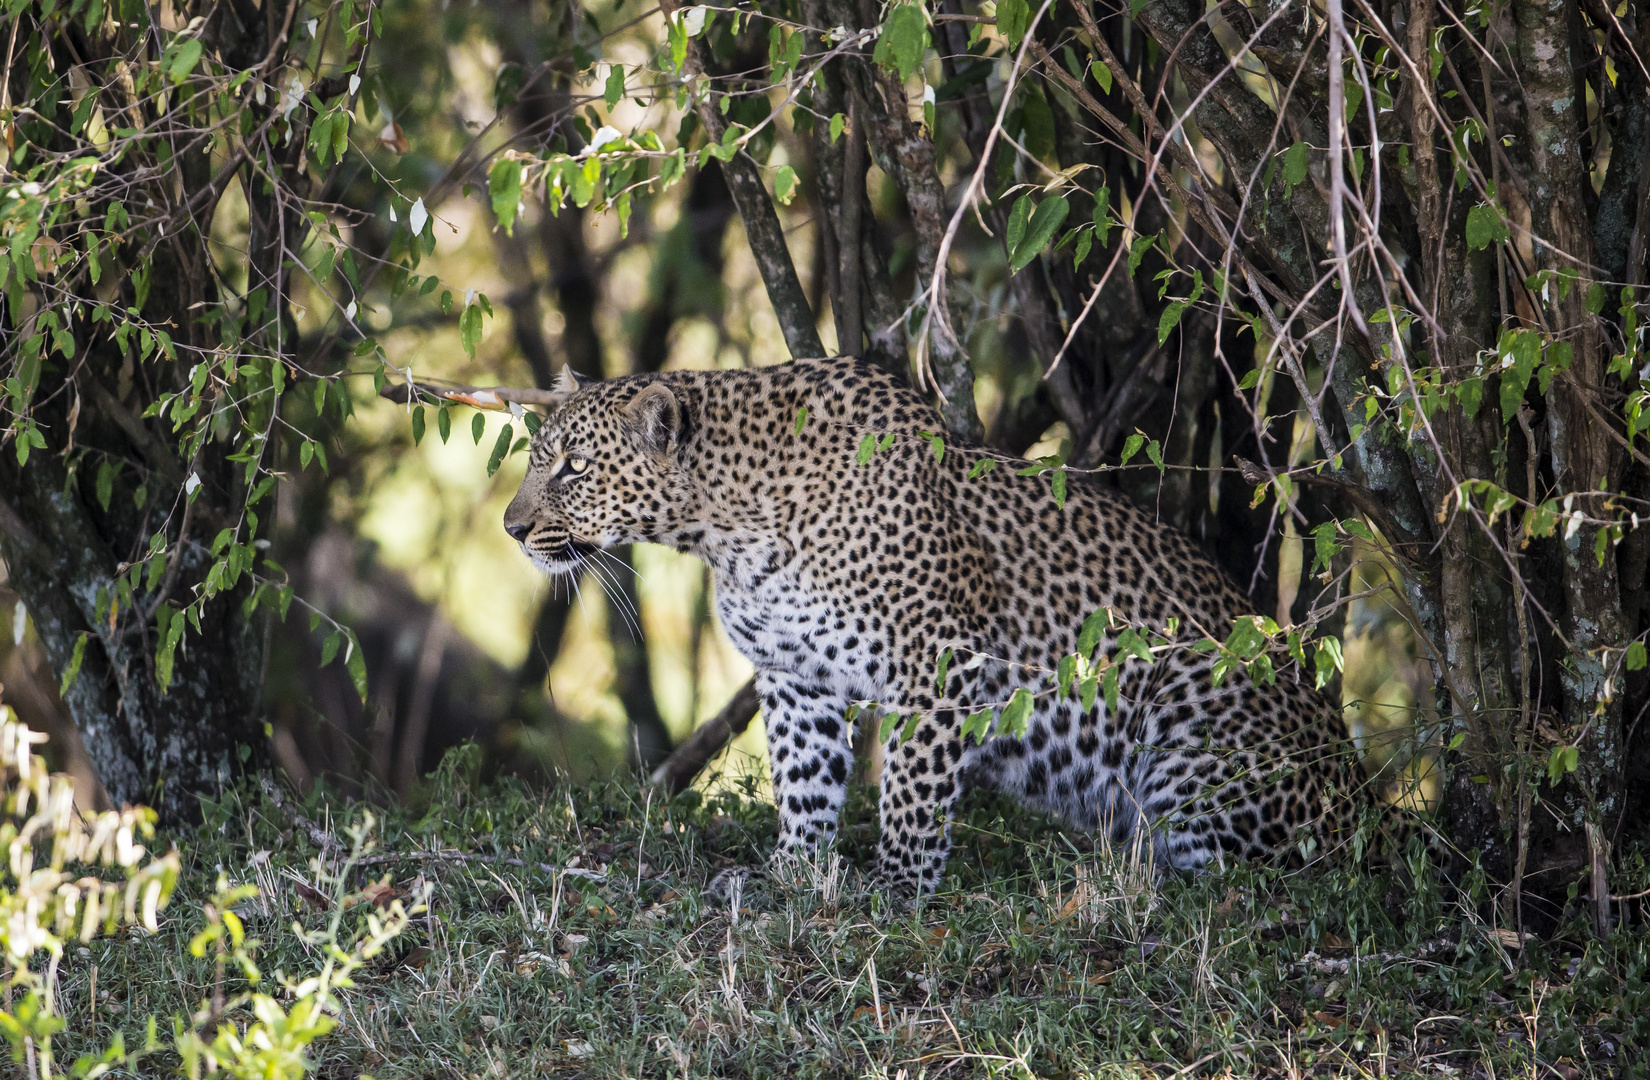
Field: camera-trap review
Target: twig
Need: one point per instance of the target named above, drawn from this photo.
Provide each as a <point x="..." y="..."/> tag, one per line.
<point x="465" y="856"/>
<point x="317" y="835"/>
<point x="479" y="397"/>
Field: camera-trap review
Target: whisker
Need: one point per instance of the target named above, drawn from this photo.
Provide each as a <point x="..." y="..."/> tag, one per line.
<point x="577" y="593"/>
<point x="620" y="602"/>
<point x="627" y="564"/>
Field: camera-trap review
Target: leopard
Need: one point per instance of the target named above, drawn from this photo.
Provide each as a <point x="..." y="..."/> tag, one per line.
<point x="862" y="558"/>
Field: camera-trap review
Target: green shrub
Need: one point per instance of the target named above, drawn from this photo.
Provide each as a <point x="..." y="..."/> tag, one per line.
<point x="43" y="905"/>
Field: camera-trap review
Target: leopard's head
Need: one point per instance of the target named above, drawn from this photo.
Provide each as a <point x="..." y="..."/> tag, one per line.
<point x="604" y="469"/>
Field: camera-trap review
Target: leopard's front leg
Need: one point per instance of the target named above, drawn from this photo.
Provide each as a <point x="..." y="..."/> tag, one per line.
<point x="920" y="783"/>
<point x="811" y="754"/>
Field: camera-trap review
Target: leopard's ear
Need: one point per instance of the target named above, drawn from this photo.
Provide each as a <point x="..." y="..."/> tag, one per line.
<point x="568" y="383"/>
<point x="654" y="419"/>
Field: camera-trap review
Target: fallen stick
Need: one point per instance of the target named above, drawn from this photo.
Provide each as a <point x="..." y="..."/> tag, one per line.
<point x="465" y="856"/>
<point x="685" y="762"/>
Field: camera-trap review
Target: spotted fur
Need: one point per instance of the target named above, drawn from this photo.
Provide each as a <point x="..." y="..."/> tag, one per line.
<point x="843" y="582"/>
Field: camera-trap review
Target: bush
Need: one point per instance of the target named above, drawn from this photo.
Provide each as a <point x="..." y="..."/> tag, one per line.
<point x="43" y="906"/>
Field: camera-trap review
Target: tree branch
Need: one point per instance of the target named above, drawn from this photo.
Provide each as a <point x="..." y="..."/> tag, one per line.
<point x="762" y="227"/>
<point x="689" y="759"/>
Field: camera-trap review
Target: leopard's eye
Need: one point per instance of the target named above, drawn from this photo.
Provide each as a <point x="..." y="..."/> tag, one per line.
<point x="572" y="465"/>
<point x="577" y="464"/>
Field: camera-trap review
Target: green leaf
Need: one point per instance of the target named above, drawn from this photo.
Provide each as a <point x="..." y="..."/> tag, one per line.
<point x="329" y="647"/>
<point x="1138" y="249"/>
<point x="1170" y="317"/>
<point x="678" y="42"/>
<point x="1131" y="447"/>
<point x="1635" y="658"/>
<point x="801" y="418"/>
<point x="1329" y="660"/>
<point x="1066" y="674"/>
<point x="910" y="727"/>
<point x="1013" y="19"/>
<point x="1470" y="392"/>
<point x="976" y="725"/>
<point x="1086" y="691"/>
<point x="1102" y="75"/>
<point x="1018" y="215"/>
<point x="1563" y="761"/>
<point x="1485" y="227"/>
<point x="504" y="185"/>
<point x="355" y="662"/>
<point x="1102" y="214"/>
<point x="838" y="122"/>
<point x="418" y="425"/>
<point x="469" y="328"/>
<point x="981" y="467"/>
<point x="1523" y="349"/>
<point x="1325" y="547"/>
<point x="444" y="422"/>
<point x="1015" y="716"/>
<point x="1108" y="685"/>
<point x="1039" y="230"/>
<point x="940" y="673"/>
<point x="1131" y="642"/>
<point x="478" y="424"/>
<point x="1597" y="296"/>
<point x="1294" y="166"/>
<point x="867" y="447"/>
<point x="613" y="92"/>
<point x="1093" y="629"/>
<point x="904" y="37"/>
<point x="1354" y="527"/>
<point x="1085" y="244"/>
<point x="106" y="484"/>
<point x="71" y="670"/>
<point x="890" y="721"/>
<point x="784" y="185"/>
<point x="1037" y="123"/>
<point x="183" y="61"/>
<point x="500" y="448"/>
<point x="1058" y="482"/>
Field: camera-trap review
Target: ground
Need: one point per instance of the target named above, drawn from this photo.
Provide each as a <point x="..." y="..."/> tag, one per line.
<point x="1040" y="956"/>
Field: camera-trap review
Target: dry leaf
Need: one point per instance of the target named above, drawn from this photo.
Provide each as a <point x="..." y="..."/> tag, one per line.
<point x="393" y="139"/>
<point x="317" y="900"/>
<point x="1511" y="939"/>
<point x="47" y="254"/>
<point x="1329" y="1021"/>
<point x="380" y="893"/>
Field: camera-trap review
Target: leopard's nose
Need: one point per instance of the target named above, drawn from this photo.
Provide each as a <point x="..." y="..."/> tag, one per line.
<point x="518" y="531"/>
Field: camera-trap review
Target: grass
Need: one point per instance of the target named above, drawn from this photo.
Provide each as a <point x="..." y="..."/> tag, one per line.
<point x="1041" y="956"/>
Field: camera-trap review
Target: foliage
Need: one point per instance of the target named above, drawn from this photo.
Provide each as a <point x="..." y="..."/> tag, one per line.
<point x="575" y="933"/>
<point x="45" y="909"/>
<point x="43" y="905"/>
